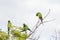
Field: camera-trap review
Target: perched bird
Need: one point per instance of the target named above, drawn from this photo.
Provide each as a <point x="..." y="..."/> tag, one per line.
<point x="9" y="25"/>
<point x="39" y="16"/>
<point x="25" y="28"/>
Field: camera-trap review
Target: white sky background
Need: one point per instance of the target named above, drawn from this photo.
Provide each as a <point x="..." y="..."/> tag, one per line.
<point x="24" y="11"/>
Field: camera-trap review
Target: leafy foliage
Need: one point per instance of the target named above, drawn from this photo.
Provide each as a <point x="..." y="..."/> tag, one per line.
<point x="19" y="35"/>
<point x="3" y="35"/>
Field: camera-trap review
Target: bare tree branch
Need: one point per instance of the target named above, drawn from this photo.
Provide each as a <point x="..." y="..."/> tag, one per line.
<point x="47" y="14"/>
<point x="35" y="24"/>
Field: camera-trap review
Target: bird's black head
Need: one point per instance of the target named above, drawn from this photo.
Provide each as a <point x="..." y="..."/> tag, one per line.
<point x="8" y="20"/>
<point x="24" y="25"/>
<point x="37" y="13"/>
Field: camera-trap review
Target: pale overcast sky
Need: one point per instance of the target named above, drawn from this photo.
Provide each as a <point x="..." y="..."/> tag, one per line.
<point x="24" y="11"/>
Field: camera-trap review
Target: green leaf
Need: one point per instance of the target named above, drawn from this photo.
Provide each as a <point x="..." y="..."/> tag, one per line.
<point x="3" y="35"/>
<point x="16" y="33"/>
<point x="24" y="35"/>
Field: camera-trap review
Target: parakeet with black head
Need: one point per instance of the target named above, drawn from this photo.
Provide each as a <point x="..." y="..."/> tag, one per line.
<point x="9" y="26"/>
<point x="40" y="16"/>
<point x="25" y="28"/>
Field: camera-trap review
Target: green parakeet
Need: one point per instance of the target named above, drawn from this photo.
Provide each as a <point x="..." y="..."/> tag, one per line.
<point x="9" y="25"/>
<point x="25" y="28"/>
<point x="39" y="16"/>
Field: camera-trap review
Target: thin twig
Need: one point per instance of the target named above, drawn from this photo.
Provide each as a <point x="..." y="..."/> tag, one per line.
<point x="38" y="37"/>
<point x="47" y="14"/>
<point x="35" y="24"/>
<point x="32" y="38"/>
